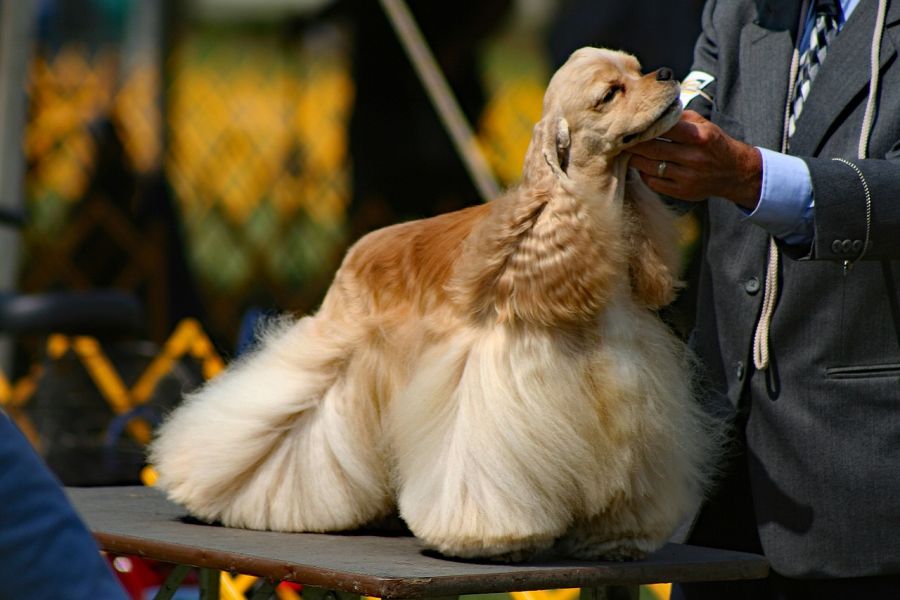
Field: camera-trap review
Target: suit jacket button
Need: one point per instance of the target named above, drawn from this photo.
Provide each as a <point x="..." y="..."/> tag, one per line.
<point x="836" y="246"/>
<point x="739" y="370"/>
<point x="751" y="286"/>
<point x="857" y="246"/>
<point x="846" y="246"/>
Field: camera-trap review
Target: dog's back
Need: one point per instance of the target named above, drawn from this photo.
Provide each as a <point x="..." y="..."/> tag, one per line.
<point x="406" y="267"/>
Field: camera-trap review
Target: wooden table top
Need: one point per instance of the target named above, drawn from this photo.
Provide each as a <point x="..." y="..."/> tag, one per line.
<point x="141" y="521"/>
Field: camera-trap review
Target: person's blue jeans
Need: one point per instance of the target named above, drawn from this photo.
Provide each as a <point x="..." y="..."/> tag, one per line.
<point x="46" y="551"/>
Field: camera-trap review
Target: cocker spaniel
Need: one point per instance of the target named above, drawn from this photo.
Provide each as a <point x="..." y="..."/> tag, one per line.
<point x="499" y="374"/>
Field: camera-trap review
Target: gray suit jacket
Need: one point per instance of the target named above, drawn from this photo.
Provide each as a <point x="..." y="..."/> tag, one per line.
<point x="823" y="431"/>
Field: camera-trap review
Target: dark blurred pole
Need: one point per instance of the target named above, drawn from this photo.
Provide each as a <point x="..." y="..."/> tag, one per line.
<point x="405" y="165"/>
<point x="17" y="20"/>
<point x="441" y="96"/>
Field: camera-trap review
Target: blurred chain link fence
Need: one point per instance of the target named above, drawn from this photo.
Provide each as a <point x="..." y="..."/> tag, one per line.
<point x="256" y="155"/>
<point x="258" y="159"/>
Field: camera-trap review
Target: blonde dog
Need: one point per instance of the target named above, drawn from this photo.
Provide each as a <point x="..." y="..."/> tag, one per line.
<point x="498" y="374"/>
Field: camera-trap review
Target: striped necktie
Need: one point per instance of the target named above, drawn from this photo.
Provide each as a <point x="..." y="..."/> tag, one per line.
<point x="827" y="20"/>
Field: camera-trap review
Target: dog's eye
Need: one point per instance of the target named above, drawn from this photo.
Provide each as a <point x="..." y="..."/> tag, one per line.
<point x="608" y="96"/>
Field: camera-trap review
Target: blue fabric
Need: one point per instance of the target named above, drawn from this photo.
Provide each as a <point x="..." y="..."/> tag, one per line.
<point x="786" y="206"/>
<point x="46" y="550"/>
<point x="250" y="322"/>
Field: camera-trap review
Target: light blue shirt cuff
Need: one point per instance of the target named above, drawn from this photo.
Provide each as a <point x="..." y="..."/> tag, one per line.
<point x="785" y="207"/>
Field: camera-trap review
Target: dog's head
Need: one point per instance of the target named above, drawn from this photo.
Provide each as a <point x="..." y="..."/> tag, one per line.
<point x="597" y="105"/>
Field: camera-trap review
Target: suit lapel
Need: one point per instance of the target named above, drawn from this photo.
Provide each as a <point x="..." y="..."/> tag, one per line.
<point x="765" y="57"/>
<point x="843" y="75"/>
<point x="766" y="47"/>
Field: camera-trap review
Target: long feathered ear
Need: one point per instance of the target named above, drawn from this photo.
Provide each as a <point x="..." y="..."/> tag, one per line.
<point x="549" y="149"/>
<point x="556" y="146"/>
<point x="653" y="247"/>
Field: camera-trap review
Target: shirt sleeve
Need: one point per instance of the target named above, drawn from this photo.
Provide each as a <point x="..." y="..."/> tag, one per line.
<point x="786" y="206"/>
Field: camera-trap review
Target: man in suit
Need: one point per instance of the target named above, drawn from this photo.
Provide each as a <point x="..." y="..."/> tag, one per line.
<point x="800" y="337"/>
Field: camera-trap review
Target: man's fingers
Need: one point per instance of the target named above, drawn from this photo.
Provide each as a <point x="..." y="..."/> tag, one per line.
<point x="644" y="164"/>
<point x="692" y="116"/>
<point x="654" y="149"/>
<point x="669" y="187"/>
<point x="690" y="130"/>
<point x="658" y="169"/>
<point x="686" y="132"/>
<point x="659" y="185"/>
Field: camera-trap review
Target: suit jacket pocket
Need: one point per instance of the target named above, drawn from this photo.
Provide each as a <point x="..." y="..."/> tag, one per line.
<point x="864" y="371"/>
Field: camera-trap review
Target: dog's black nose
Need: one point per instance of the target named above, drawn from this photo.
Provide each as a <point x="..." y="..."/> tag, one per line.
<point x="664" y="74"/>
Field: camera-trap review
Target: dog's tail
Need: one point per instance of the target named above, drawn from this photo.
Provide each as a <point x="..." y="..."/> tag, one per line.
<point x="282" y="440"/>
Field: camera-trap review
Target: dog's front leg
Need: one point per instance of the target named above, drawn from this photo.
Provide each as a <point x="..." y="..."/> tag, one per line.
<point x="487" y="441"/>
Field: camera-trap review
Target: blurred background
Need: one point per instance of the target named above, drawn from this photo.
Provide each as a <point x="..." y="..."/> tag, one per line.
<point x="172" y="169"/>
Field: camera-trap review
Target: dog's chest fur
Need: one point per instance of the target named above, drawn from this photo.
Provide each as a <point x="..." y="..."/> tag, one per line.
<point x="545" y="259"/>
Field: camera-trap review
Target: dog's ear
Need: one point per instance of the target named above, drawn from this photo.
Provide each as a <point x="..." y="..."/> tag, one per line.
<point x="549" y="149"/>
<point x="556" y="143"/>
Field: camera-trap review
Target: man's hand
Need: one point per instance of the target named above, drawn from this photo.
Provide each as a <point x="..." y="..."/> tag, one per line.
<point x="700" y="161"/>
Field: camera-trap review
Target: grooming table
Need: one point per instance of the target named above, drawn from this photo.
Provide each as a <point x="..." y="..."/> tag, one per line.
<point x="139" y="521"/>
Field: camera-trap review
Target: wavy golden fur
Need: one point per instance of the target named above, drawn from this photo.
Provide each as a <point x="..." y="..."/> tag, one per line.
<point x="497" y="374"/>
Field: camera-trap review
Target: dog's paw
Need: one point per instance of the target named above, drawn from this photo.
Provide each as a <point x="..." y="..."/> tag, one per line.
<point x="506" y="550"/>
<point x="622" y="554"/>
<point x="514" y="556"/>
